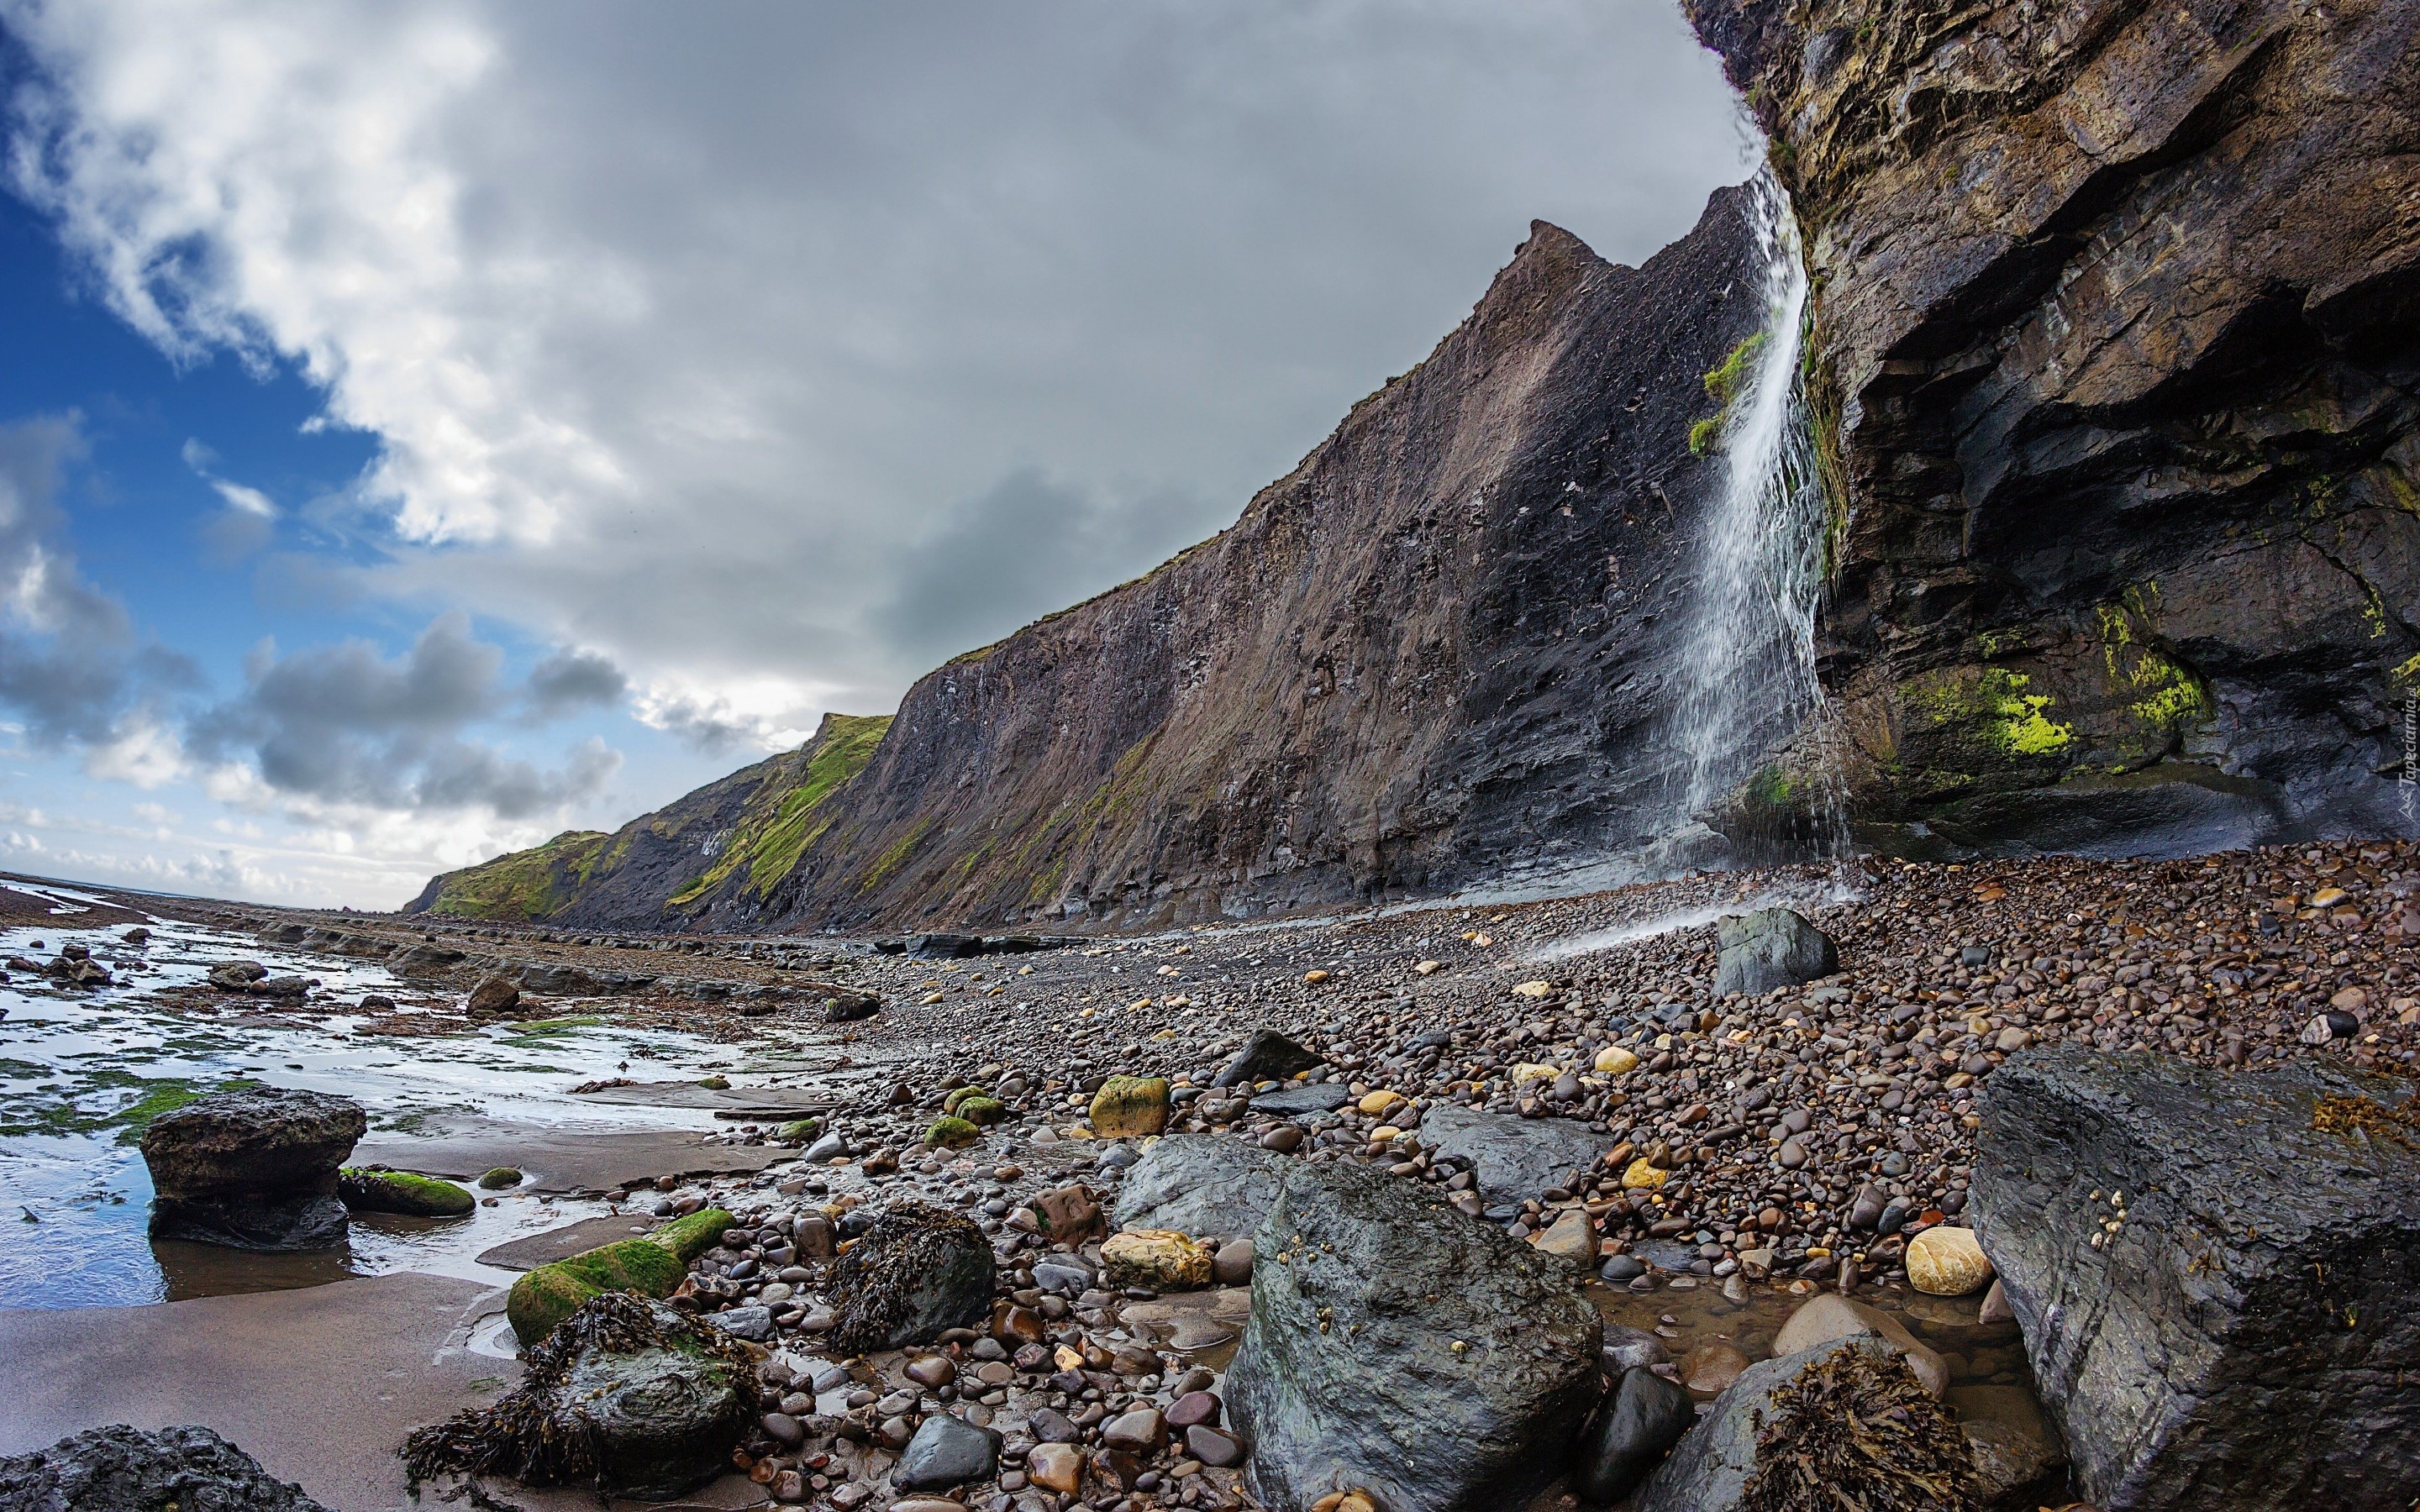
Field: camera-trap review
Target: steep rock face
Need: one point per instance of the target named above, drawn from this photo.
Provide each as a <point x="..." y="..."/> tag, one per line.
<point x="2115" y="316"/>
<point x="706" y="861"/>
<point x="1442" y="647"/>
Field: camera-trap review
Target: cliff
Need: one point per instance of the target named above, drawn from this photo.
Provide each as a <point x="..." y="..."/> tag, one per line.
<point x="1443" y="648"/>
<point x="2116" y="313"/>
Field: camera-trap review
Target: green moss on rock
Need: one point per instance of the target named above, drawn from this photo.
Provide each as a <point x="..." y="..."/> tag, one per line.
<point x="1128" y="1107"/>
<point x="692" y="1236"/>
<point x="951" y="1134"/>
<point x="983" y="1112"/>
<point x="418" y="1196"/>
<point x="548" y="1294"/>
<point x="652" y="1266"/>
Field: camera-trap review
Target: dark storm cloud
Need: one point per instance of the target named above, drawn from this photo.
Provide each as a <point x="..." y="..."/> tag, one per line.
<point x="570" y="681"/>
<point x="345" y="724"/>
<point x="1024" y="547"/>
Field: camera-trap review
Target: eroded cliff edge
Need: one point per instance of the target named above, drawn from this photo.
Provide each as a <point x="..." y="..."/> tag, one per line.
<point x="2118" y="331"/>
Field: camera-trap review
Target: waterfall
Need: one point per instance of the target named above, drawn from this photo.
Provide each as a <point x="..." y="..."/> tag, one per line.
<point x="1751" y="688"/>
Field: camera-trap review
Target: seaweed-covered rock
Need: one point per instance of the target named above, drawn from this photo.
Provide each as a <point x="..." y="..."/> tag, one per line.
<point x="652" y="1266"/>
<point x="916" y="1271"/>
<point x="122" y="1469"/>
<point x="626" y="1396"/>
<point x="1771" y="947"/>
<point x="1845" y="1424"/>
<point x="1266" y="1057"/>
<point x="1201" y="1184"/>
<point x="1397" y="1345"/>
<point x="418" y="1196"/>
<point x="252" y="1168"/>
<point x="2215" y="1274"/>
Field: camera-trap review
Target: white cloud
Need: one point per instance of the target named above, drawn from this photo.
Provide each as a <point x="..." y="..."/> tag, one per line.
<point x="245" y="500"/>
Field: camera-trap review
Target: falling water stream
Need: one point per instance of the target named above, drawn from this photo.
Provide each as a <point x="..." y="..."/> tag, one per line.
<point x="1751" y="687"/>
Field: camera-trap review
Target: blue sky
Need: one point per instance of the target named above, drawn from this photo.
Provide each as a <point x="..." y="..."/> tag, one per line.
<point x="426" y="427"/>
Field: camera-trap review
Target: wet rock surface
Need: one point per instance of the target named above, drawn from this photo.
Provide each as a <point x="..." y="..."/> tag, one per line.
<point x="122" y="1469"/>
<point x="2213" y="1273"/>
<point x="252" y="1169"/>
<point x="1629" y="1435"/>
<point x="1768" y="949"/>
<point x="1397" y="1345"/>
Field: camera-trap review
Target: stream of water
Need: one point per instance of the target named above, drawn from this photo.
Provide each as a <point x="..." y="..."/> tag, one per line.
<point x="1752" y="688"/>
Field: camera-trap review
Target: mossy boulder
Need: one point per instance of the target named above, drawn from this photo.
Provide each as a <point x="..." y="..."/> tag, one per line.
<point x="418" y="1196"/>
<point x="983" y="1112"/>
<point x="501" y="1178"/>
<point x="799" y="1131"/>
<point x="652" y="1266"/>
<point x="951" y="1134"/>
<point x="1128" y="1107"/>
<point x="958" y="1095"/>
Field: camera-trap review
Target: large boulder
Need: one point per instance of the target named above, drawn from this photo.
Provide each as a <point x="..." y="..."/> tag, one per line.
<point x="916" y="1273"/>
<point x="627" y="1397"/>
<point x="1397" y="1345"/>
<point x="122" y="1469"/>
<point x="2215" y="1273"/>
<point x="252" y="1168"/>
<point x="1770" y="948"/>
<point x="1266" y="1057"/>
<point x="1201" y="1184"/>
<point x="1845" y="1424"/>
<point x="1514" y="1158"/>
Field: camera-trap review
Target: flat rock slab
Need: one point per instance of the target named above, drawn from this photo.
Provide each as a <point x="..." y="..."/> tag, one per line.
<point x="1294" y="1101"/>
<point x="319" y="1384"/>
<point x="564" y="1160"/>
<point x="1514" y="1158"/>
<point x="729" y="1101"/>
<point x="2216" y="1290"/>
<point x="561" y="1243"/>
<point x="1201" y="1184"/>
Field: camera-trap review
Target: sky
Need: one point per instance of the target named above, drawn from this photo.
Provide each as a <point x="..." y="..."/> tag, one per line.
<point x="427" y="426"/>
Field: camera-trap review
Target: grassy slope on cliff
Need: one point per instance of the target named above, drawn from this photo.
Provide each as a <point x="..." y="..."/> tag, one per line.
<point x="738" y="835"/>
<point x="520" y="884"/>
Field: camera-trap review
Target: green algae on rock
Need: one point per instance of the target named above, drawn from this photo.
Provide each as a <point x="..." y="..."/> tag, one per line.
<point x="417" y="1196"/>
<point x="652" y="1265"/>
